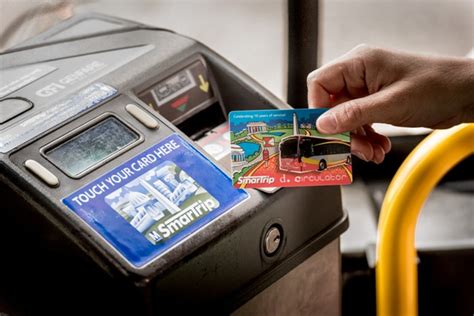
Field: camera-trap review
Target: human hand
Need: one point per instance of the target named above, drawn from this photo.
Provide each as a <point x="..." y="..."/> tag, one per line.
<point x="369" y="85"/>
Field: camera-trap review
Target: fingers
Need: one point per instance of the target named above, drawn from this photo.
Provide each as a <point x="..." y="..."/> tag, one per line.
<point x="318" y="96"/>
<point x="347" y="116"/>
<point x="361" y="147"/>
<point x="341" y="80"/>
<point x="344" y="86"/>
<point x="370" y="146"/>
<point x="324" y="85"/>
<point x="366" y="150"/>
<point x="381" y="140"/>
<point x="344" y="77"/>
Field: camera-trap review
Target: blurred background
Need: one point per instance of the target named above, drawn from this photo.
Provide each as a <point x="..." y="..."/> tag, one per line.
<point x="253" y="34"/>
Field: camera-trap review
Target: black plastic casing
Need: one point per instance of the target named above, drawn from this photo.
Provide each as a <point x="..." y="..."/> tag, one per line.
<point x="219" y="268"/>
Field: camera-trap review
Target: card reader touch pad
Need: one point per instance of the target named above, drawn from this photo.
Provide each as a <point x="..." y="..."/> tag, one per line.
<point x="155" y="200"/>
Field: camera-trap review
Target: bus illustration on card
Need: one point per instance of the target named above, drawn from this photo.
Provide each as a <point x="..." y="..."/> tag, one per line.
<point x="282" y="148"/>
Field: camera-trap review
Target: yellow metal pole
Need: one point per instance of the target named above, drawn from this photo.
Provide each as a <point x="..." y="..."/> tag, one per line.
<point x="396" y="270"/>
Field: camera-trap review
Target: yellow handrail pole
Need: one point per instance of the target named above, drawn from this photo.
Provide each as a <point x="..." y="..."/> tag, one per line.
<point x="396" y="270"/>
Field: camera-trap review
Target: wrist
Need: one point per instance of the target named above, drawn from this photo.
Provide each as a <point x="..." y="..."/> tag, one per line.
<point x="458" y="74"/>
<point x="466" y="83"/>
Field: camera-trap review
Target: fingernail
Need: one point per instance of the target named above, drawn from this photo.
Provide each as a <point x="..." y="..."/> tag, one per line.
<point x="388" y="147"/>
<point x="379" y="154"/>
<point x="327" y="124"/>
<point x="360" y="155"/>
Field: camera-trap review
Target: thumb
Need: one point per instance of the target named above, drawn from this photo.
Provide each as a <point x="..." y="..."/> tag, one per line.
<point x="354" y="113"/>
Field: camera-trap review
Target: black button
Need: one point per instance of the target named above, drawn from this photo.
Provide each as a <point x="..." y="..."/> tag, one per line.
<point x="12" y="107"/>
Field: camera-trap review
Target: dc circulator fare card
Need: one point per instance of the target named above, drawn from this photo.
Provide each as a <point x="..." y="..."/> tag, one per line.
<point x="282" y="148"/>
<point x="156" y="199"/>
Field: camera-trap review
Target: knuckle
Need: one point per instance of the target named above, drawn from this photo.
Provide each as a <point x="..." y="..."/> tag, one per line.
<point x="367" y="51"/>
<point x="377" y="57"/>
<point x="357" y="66"/>
<point x="311" y="77"/>
<point x="368" y="56"/>
<point x="362" y="47"/>
<point x="352" y="112"/>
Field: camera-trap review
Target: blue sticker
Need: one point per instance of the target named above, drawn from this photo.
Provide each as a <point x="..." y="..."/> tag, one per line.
<point x="156" y="199"/>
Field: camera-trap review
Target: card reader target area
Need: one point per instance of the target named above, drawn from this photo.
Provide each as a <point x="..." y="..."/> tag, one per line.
<point x="162" y="202"/>
<point x="153" y="201"/>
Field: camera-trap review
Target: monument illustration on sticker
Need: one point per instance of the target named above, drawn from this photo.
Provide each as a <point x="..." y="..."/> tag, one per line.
<point x="283" y="148"/>
<point x="162" y="202"/>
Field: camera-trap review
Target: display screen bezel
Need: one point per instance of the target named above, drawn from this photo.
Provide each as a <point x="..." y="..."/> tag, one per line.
<point x="143" y="91"/>
<point x="174" y="94"/>
<point x="66" y="137"/>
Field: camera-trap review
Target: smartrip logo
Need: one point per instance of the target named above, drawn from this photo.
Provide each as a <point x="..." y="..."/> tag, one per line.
<point x="255" y="180"/>
<point x="162" y="202"/>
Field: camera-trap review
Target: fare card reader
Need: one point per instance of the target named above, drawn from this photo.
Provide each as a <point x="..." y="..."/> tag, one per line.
<point x="114" y="177"/>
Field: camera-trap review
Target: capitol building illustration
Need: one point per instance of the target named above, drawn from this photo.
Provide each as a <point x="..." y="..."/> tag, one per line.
<point x="165" y="196"/>
<point x="237" y="153"/>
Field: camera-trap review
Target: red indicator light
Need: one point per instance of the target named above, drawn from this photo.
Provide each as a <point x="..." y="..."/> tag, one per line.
<point x="180" y="101"/>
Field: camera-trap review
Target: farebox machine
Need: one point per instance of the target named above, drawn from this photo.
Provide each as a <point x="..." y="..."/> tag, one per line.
<point x="115" y="190"/>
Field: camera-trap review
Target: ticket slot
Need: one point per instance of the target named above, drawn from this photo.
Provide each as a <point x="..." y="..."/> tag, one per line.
<point x="203" y="122"/>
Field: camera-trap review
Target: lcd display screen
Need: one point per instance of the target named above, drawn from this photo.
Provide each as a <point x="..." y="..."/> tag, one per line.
<point x="91" y="146"/>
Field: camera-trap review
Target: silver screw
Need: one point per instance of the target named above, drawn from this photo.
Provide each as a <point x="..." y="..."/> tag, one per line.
<point x="272" y="240"/>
